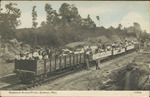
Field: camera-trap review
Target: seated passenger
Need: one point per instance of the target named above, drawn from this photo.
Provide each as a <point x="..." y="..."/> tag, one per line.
<point x="21" y="54"/>
<point x="45" y="57"/>
<point x="23" y="57"/>
<point x="96" y="51"/>
<point x="40" y="57"/>
<point x="27" y="56"/>
<point x="40" y="52"/>
<point x="108" y="48"/>
<point x="35" y="55"/>
<point x="30" y="56"/>
<point x="17" y="57"/>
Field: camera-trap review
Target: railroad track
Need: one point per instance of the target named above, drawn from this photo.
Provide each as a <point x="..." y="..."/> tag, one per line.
<point x="19" y="86"/>
<point x="48" y="80"/>
<point x="12" y="86"/>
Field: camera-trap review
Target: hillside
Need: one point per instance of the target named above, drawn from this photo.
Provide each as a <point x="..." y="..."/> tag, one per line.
<point x="61" y="38"/>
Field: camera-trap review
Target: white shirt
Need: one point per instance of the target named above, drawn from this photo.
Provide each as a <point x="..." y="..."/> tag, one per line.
<point x="35" y="54"/>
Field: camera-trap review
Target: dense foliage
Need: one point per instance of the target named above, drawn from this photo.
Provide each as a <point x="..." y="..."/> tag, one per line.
<point x="9" y="21"/>
<point x="62" y="28"/>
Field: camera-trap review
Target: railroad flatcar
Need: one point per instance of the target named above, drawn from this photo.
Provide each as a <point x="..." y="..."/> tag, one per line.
<point x="35" y="70"/>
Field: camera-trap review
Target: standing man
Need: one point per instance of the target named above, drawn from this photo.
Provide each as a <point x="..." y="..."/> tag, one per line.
<point x="87" y="60"/>
<point x="48" y="51"/>
<point x="97" y="63"/>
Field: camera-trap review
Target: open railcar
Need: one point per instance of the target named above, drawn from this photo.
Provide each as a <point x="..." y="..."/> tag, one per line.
<point x="35" y="70"/>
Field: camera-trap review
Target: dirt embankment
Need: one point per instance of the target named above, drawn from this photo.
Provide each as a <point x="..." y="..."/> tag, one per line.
<point x="134" y="76"/>
<point x="8" y="50"/>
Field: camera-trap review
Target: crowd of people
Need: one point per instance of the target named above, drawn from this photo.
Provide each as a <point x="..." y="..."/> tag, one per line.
<point x="45" y="52"/>
<point x="37" y="53"/>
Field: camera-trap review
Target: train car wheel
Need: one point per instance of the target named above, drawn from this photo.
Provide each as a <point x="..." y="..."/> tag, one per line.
<point x="77" y="66"/>
<point x="84" y="65"/>
<point x="80" y="66"/>
<point x="22" y="77"/>
<point x="73" y="67"/>
<point x="22" y="80"/>
<point x="41" y="77"/>
<point x="45" y="76"/>
<point x="36" y="78"/>
<point x="32" y="81"/>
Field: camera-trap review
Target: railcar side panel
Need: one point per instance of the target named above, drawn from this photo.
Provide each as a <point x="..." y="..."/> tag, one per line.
<point x="108" y="53"/>
<point x="82" y="58"/>
<point x="62" y="60"/>
<point x="57" y="63"/>
<point x="79" y="59"/>
<point x="40" y="67"/>
<point x="29" y="65"/>
<point x="52" y="63"/>
<point x="102" y="55"/>
<point x="130" y="47"/>
<point x="72" y="59"/>
<point x="67" y="61"/>
<point x="76" y="59"/>
<point x="115" y="52"/>
<point x="118" y="51"/>
<point x="96" y="56"/>
<point x="47" y="65"/>
<point x="122" y="50"/>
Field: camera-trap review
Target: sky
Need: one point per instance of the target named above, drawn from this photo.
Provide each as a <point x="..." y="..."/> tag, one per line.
<point x="111" y="13"/>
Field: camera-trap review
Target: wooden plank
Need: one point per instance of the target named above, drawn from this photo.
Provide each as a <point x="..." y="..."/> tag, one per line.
<point x="59" y="62"/>
<point x="44" y="66"/>
<point x="73" y="60"/>
<point x="55" y="63"/>
<point x="84" y="58"/>
<point x="77" y="59"/>
<point x="80" y="59"/>
<point x="65" y="61"/>
<point x="50" y="69"/>
<point x="70" y="59"/>
<point x="40" y="67"/>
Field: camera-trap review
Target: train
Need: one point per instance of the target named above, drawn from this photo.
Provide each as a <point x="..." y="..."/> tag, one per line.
<point x="36" y="70"/>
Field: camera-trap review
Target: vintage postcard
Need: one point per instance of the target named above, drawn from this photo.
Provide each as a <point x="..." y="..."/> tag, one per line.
<point x="74" y="46"/>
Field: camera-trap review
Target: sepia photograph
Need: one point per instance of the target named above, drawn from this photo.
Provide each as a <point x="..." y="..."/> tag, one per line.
<point x="75" y="46"/>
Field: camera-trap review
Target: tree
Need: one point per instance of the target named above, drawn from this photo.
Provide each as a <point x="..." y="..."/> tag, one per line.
<point x="34" y="23"/>
<point x="34" y="17"/>
<point x="137" y="26"/>
<point x="137" y="29"/>
<point x="119" y="26"/>
<point x="69" y="14"/>
<point x="43" y="24"/>
<point x="98" y="19"/>
<point x="52" y="17"/>
<point x="88" y="22"/>
<point x="9" y="21"/>
<point x="64" y="11"/>
<point x="111" y="29"/>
